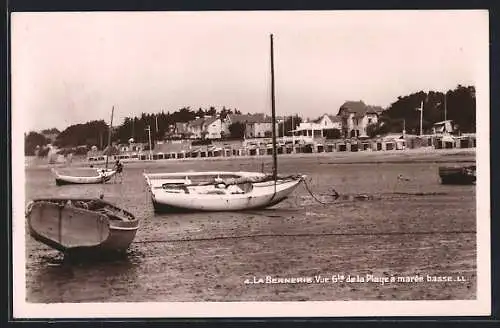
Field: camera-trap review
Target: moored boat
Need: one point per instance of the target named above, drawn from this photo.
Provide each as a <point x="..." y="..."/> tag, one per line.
<point x="90" y="225"/>
<point x="457" y="174"/>
<point x="97" y="176"/>
<point x="221" y="192"/>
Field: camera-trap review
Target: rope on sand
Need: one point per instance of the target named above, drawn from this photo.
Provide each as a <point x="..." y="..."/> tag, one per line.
<point x="381" y="233"/>
<point x="335" y="194"/>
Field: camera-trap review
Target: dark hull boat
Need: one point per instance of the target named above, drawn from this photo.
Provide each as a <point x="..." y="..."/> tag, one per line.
<point x="81" y="225"/>
<point x="458" y="175"/>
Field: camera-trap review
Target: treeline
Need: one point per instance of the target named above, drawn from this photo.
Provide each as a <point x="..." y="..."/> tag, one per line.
<point x="458" y="105"/>
<point x="162" y="123"/>
<point x="95" y="133"/>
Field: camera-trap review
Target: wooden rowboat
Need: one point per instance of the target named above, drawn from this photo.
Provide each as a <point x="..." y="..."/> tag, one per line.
<point x="91" y="225"/>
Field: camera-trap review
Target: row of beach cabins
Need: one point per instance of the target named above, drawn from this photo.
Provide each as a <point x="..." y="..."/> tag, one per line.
<point x="286" y="145"/>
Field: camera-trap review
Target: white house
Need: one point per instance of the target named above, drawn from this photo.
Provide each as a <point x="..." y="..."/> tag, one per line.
<point x="206" y="127"/>
<point x="130" y="147"/>
<point x="320" y="127"/>
<point x="356" y="116"/>
<point x="213" y="128"/>
<point x="256" y="125"/>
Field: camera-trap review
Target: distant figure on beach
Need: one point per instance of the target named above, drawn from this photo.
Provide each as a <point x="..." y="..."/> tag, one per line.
<point x="402" y="178"/>
<point x="119" y="170"/>
<point x="69" y="158"/>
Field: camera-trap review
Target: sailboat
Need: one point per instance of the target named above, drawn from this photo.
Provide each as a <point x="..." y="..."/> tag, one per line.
<point x="96" y="175"/>
<point x="223" y="191"/>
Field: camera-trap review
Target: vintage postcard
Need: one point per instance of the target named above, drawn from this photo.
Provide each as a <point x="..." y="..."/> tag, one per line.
<point x="250" y="164"/>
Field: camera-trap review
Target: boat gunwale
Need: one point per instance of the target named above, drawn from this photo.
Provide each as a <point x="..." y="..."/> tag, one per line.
<point x="131" y="217"/>
<point x="107" y="174"/>
<point x="151" y="176"/>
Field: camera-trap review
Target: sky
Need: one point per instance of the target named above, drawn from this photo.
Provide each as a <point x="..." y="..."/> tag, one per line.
<point x="70" y="68"/>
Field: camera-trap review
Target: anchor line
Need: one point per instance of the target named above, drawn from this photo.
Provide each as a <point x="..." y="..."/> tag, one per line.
<point x="388" y="233"/>
<point x="314" y="196"/>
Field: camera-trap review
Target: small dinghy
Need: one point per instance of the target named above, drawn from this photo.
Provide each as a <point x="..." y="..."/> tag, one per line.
<point x="230" y="194"/>
<point x="96" y="176"/>
<point x="458" y="175"/>
<point x="70" y="225"/>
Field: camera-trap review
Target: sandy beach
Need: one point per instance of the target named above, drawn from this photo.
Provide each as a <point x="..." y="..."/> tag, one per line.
<point x="412" y="231"/>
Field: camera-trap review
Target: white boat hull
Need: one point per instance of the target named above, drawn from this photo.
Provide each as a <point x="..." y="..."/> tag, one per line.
<point x="262" y="194"/>
<point x="100" y="177"/>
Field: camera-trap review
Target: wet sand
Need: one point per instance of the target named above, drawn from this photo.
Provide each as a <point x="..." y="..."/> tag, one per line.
<point x="381" y="226"/>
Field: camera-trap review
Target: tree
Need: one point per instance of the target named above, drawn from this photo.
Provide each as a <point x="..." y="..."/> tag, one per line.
<point x="225" y="112"/>
<point x="32" y="141"/>
<point x="51" y="131"/>
<point x="212" y="111"/>
<point x="286" y="126"/>
<point x="237" y="130"/>
<point x="460" y="107"/>
<point x="90" y="133"/>
<point x="200" y="112"/>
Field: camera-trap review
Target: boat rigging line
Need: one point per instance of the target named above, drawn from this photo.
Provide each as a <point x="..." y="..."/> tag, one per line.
<point x="105" y="170"/>
<point x="335" y="195"/>
<point x="109" y="137"/>
<point x="360" y="233"/>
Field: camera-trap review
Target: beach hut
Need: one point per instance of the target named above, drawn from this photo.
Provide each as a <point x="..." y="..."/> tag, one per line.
<point x="400" y="144"/>
<point x="448" y="142"/>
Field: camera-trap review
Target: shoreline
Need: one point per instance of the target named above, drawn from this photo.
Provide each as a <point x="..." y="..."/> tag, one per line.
<point x="420" y="155"/>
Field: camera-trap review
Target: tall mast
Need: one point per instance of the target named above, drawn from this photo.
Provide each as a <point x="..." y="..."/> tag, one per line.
<point x="156" y="131"/>
<point x="109" y="135"/>
<point x="273" y="115"/>
<point x="421" y="115"/>
<point x="445" y="109"/>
